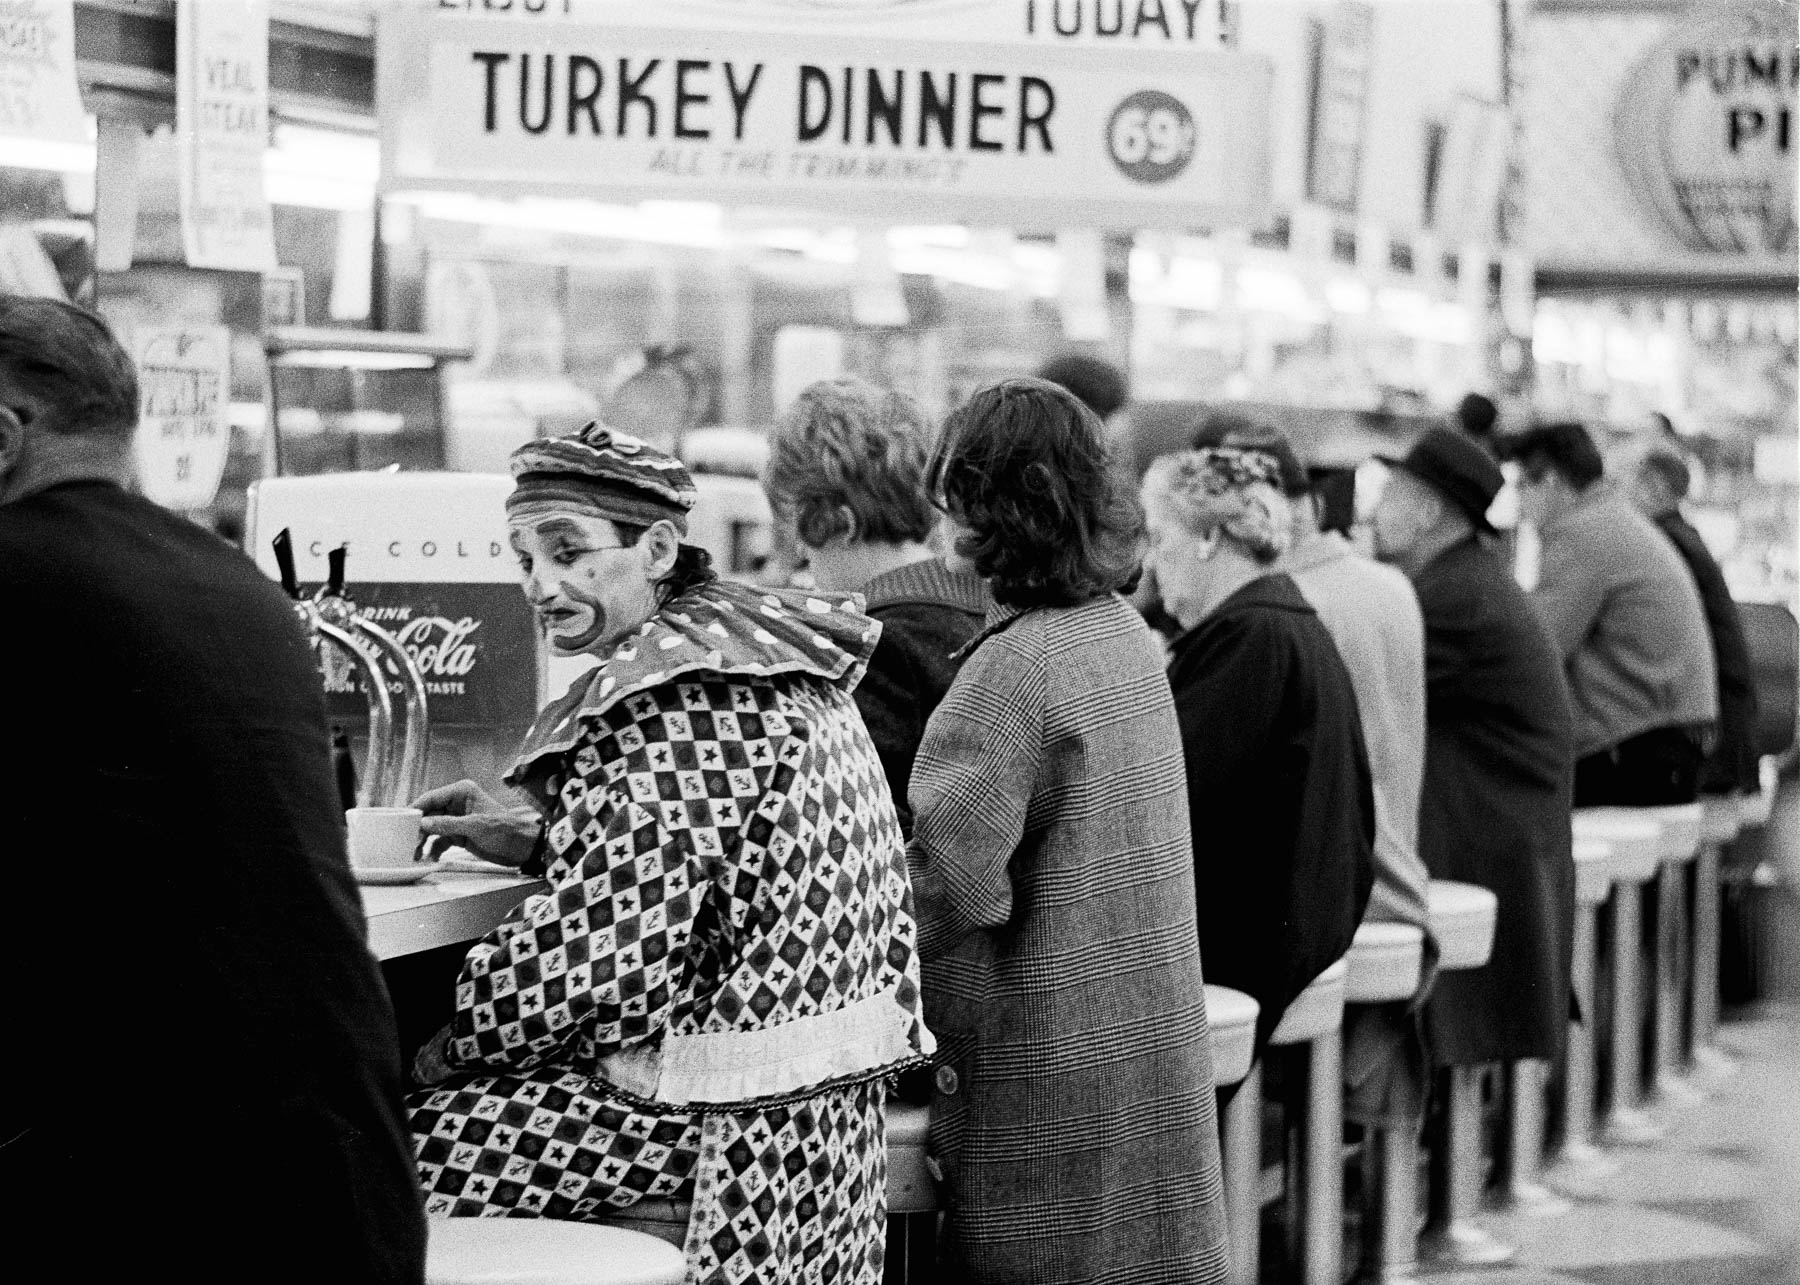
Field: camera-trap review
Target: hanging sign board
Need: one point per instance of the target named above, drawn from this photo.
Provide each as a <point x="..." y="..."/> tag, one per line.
<point x="39" y="97"/>
<point x="1027" y="134"/>
<point x="222" y="119"/>
<point x="1705" y="129"/>
<point x="1662" y="143"/>
<point x="183" y="437"/>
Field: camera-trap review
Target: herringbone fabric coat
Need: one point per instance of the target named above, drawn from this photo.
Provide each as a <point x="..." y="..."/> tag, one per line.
<point x="1051" y="860"/>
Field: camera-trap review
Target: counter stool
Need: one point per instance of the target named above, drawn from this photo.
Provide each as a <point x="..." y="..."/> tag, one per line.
<point x="1384" y="963"/>
<point x="1636" y="844"/>
<point x="1724" y="818"/>
<point x="1593" y="882"/>
<point x="911" y="1193"/>
<point x="1684" y="829"/>
<point x="1462" y="923"/>
<point x="1231" y="1027"/>
<point x="545" y="1251"/>
<point x="1315" y="1195"/>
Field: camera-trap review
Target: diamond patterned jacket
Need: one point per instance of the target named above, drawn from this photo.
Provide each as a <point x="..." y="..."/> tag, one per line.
<point x="729" y="922"/>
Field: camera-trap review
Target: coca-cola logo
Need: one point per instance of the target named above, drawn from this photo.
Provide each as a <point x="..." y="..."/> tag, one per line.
<point x="444" y="649"/>
<point x="439" y="646"/>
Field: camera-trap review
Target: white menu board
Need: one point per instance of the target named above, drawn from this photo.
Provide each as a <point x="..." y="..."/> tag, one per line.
<point x="184" y="376"/>
<point x="222" y="119"/>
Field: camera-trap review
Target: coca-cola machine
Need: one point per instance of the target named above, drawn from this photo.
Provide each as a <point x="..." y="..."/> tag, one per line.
<point x="427" y="560"/>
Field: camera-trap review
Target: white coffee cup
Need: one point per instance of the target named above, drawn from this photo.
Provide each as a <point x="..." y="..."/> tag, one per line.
<point x="383" y="836"/>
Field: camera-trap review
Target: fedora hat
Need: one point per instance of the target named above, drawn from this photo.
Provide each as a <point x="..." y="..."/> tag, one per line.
<point x="1457" y="468"/>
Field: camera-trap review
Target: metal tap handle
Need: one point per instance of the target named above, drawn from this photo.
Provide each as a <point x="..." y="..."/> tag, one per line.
<point x="408" y="781"/>
<point x="284" y="560"/>
<point x="334" y="583"/>
<point x="377" y="783"/>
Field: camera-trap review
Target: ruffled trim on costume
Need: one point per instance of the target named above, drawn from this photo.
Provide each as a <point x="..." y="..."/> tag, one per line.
<point x="722" y="628"/>
<point x="869" y="1038"/>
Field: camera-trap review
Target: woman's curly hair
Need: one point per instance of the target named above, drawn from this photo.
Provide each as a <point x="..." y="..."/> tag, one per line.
<point x="1023" y="466"/>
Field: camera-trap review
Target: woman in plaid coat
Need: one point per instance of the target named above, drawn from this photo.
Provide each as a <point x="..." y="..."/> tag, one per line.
<point x="708" y="1000"/>
<point x="1072" y="1113"/>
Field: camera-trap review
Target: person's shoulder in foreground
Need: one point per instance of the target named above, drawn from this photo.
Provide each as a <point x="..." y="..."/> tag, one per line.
<point x="177" y="725"/>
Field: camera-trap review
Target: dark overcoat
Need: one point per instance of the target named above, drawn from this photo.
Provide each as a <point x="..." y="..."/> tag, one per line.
<point x="194" y="998"/>
<point x="1731" y="768"/>
<point x="1073" y="1112"/>
<point x="928" y="613"/>
<point x="1279" y="792"/>
<point x="1495" y="811"/>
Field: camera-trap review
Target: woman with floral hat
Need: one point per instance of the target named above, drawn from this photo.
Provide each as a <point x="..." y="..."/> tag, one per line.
<point x="706" y="1004"/>
<point x="1277" y="770"/>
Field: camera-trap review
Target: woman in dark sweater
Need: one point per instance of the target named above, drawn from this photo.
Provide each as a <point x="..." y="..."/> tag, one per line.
<point x="846" y="472"/>
<point x="1279" y="792"/>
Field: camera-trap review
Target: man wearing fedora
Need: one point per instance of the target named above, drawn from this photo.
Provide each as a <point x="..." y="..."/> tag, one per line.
<point x="1499" y="750"/>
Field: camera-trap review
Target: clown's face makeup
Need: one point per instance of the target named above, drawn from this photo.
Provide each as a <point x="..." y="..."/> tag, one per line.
<point x="588" y="588"/>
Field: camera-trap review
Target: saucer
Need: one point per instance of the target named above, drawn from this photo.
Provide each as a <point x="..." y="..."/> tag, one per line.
<point x="395" y="874"/>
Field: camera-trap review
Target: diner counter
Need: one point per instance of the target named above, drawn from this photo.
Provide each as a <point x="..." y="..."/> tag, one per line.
<point x="440" y="910"/>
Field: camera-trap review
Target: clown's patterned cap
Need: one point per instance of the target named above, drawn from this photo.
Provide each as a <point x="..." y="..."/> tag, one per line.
<point x="611" y="458"/>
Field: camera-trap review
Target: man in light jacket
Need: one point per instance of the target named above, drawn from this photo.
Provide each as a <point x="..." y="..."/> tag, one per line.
<point x="1625" y="615"/>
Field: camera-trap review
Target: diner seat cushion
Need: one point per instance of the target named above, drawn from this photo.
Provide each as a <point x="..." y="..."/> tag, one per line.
<point x="1231" y="1024"/>
<point x="545" y="1251"/>
<point x="1317" y="1009"/>
<point x="1636" y="842"/>
<point x="1462" y="923"/>
<point x="1723" y="817"/>
<point x="910" y="1189"/>
<point x="1384" y="963"/>
<point x="1593" y="871"/>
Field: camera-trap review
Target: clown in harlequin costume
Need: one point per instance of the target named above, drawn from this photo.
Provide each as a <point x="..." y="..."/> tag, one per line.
<point x="706" y="1004"/>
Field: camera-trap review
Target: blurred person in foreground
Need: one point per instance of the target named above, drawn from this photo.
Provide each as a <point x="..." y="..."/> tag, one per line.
<point x="846" y="471"/>
<point x="1624" y="614"/>
<point x="1373" y="617"/>
<point x="1051" y="858"/>
<point x="1494" y="810"/>
<point x="1277" y="771"/>
<point x="201" y="1001"/>
<point x="707" y="1003"/>
<point x="1657" y="480"/>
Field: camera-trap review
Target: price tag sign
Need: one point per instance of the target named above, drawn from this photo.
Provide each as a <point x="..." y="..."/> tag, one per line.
<point x="1151" y="136"/>
<point x="39" y="98"/>
<point x="183" y="439"/>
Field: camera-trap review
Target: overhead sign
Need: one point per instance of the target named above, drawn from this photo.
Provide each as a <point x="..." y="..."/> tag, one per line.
<point x="1660" y="143"/>
<point x="1340" y="104"/>
<point x="39" y="96"/>
<point x="183" y="437"/>
<point x="1705" y="129"/>
<point x="1186" y="23"/>
<point x="222" y="120"/>
<point x="1030" y="134"/>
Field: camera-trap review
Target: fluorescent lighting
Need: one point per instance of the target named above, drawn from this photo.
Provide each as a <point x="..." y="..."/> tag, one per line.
<point x="321" y="169"/>
<point x="350" y="359"/>
<point x="578" y="217"/>
<point x="38" y="154"/>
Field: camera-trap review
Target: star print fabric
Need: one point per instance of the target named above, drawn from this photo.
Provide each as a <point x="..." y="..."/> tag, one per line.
<point x="706" y="1003"/>
<point x="794" y="1193"/>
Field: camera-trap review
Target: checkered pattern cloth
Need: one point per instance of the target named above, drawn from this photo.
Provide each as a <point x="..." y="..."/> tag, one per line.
<point x="708" y="998"/>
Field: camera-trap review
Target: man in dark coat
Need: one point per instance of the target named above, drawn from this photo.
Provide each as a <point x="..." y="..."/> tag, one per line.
<point x="1658" y="484"/>
<point x="202" y="1062"/>
<point x="1495" y="809"/>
